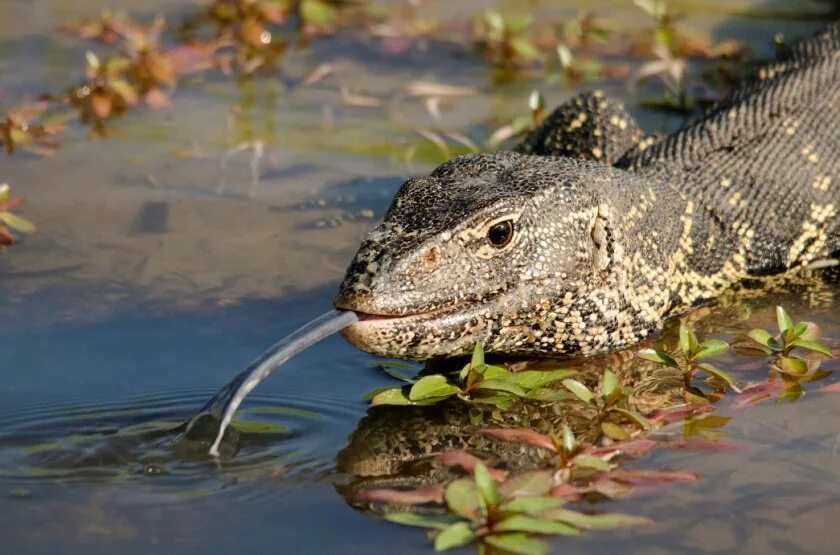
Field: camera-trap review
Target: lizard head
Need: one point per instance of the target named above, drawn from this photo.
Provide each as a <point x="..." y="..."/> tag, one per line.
<point x="517" y="252"/>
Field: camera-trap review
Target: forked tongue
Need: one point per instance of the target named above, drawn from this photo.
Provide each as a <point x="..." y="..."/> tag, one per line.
<point x="228" y="399"/>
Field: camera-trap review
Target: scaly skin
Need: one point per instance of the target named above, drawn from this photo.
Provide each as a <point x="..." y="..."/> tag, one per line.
<point x="600" y="256"/>
<point x="590" y="126"/>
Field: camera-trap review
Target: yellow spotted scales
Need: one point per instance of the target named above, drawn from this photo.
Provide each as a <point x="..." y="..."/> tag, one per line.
<point x="600" y="255"/>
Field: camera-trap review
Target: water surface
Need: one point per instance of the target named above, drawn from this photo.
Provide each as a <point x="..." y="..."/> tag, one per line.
<point x="147" y="288"/>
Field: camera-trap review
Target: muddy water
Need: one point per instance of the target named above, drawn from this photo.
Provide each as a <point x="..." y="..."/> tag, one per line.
<point x="155" y="276"/>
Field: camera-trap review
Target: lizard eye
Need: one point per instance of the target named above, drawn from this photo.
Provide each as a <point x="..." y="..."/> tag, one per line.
<point x="500" y="234"/>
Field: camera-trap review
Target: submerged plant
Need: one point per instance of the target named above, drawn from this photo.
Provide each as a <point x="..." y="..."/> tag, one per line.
<point x="694" y="352"/>
<point x="477" y="382"/>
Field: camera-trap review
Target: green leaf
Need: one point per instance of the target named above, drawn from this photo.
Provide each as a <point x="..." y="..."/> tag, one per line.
<point x="695" y="395"/>
<point x="501" y="385"/>
<point x="712" y="348"/>
<point x="432" y="386"/>
<point x="502" y="401"/>
<point x="519" y="22"/>
<point x="688" y="341"/>
<point x="495" y="20"/>
<point x="390" y="368"/>
<point x="371" y="394"/>
<point x="532" y="379"/>
<point x="793" y="366"/>
<point x="477" y="356"/>
<point x="16" y="222"/>
<point x="318" y="12"/>
<point x="422" y="520"/>
<point x="524" y="48"/>
<point x="536" y="102"/>
<point x="124" y="89"/>
<point x="784" y="321"/>
<point x="525" y="523"/>
<point x="117" y="64"/>
<point x="721" y="375"/>
<point x="547" y="394"/>
<point x="609" y="385"/>
<point x="764" y="338"/>
<point x="454" y="535"/>
<point x="392" y="396"/>
<point x="535" y="483"/>
<point x="532" y="505"/>
<point x="462" y="498"/>
<point x="595" y="522"/>
<point x="581" y="391"/>
<point x="5" y="192"/>
<point x="808" y="331"/>
<point x="486" y="486"/>
<point x="614" y="431"/>
<point x="658" y="357"/>
<point x="492" y="372"/>
<point x="521" y="544"/>
<point x="812" y="345"/>
<point x="635" y="417"/>
<point x="791" y="394"/>
<point x="591" y="461"/>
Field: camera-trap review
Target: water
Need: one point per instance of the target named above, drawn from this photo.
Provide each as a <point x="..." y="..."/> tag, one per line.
<point x="146" y="289"/>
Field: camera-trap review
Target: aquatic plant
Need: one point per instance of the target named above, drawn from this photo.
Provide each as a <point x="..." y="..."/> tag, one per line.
<point x="693" y="353"/>
<point x="606" y="402"/>
<point x="801" y="335"/>
<point x="31" y="127"/>
<point x="8" y="221"/>
<point x="504" y="40"/>
<point x="507" y="514"/>
<point x="477" y="382"/>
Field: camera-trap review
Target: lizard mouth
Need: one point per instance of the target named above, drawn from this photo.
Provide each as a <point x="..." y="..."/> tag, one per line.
<point x="420" y="334"/>
<point x="373" y="318"/>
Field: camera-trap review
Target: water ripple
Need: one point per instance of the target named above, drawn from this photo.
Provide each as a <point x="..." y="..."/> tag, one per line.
<point x="138" y="442"/>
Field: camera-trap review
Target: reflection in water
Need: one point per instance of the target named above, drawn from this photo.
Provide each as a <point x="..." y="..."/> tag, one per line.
<point x="119" y="455"/>
<point x="400" y="447"/>
<point x="132" y="227"/>
<point x="125" y="443"/>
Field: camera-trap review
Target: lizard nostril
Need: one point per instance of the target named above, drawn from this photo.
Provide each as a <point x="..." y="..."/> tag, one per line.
<point x="432" y="257"/>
